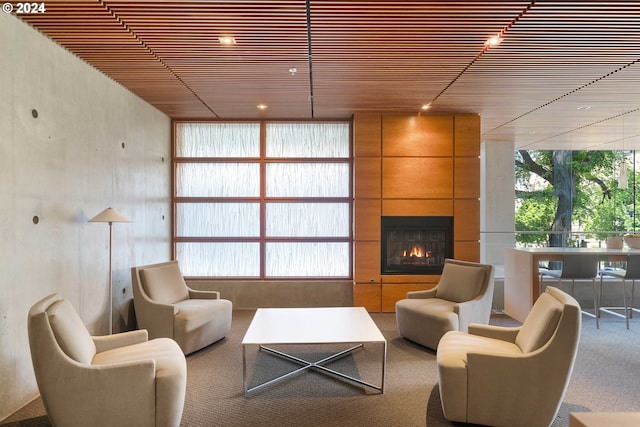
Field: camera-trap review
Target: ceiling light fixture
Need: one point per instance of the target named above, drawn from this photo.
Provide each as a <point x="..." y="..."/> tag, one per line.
<point x="293" y="71"/>
<point x="227" y="40"/>
<point x="262" y="107"/>
<point x="584" y="107"/>
<point x="425" y="107"/>
<point x="493" y="41"/>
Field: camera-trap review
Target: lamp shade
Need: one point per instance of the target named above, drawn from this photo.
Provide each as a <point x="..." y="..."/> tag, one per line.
<point x="109" y="215"/>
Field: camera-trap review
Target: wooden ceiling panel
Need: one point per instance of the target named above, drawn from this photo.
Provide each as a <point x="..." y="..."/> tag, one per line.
<point x="364" y="51"/>
<point x="232" y="80"/>
<point x="331" y="59"/>
<point x="595" y="117"/>
<point x="92" y="32"/>
<point x="549" y="62"/>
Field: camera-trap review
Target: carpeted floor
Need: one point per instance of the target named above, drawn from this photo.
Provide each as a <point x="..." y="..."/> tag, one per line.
<point x="605" y="378"/>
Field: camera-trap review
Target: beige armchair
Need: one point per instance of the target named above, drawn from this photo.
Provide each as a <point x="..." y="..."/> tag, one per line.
<point x="462" y="296"/>
<point x="167" y="307"/>
<point x="115" y="380"/>
<point x="511" y="376"/>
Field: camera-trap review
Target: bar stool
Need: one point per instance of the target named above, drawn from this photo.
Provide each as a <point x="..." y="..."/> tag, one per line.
<point x="577" y="267"/>
<point x="631" y="272"/>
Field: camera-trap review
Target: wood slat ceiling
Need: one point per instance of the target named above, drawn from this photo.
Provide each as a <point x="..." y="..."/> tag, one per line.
<point x="566" y="75"/>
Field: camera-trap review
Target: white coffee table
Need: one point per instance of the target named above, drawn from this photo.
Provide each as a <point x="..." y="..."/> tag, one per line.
<point x="351" y="326"/>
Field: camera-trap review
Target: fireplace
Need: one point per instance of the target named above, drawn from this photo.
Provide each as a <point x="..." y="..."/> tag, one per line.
<point x="416" y="244"/>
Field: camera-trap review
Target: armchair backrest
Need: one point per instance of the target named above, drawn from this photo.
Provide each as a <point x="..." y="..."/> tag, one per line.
<point x="55" y="315"/>
<point x="163" y="282"/>
<point x="463" y="281"/>
<point x="553" y="312"/>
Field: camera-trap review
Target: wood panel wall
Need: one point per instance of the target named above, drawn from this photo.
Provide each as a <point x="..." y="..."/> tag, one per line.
<point x="412" y="166"/>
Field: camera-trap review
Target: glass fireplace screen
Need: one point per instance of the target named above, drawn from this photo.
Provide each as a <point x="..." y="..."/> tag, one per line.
<point x="416" y="244"/>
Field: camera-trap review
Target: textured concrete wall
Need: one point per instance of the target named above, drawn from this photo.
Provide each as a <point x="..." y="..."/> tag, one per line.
<point x="286" y="293"/>
<point x="92" y="145"/>
<point x="497" y="201"/>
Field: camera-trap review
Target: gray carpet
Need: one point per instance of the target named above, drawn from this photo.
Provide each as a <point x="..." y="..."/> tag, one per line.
<point x="605" y="378"/>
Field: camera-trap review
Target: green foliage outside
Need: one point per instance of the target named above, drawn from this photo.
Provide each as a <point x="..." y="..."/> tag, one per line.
<point x="574" y="191"/>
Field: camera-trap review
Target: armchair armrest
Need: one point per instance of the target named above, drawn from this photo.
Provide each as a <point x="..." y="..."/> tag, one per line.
<point x="155" y="317"/>
<point x="429" y="293"/>
<point x="521" y="379"/>
<point x="109" y="342"/>
<point x="132" y="387"/>
<point x="476" y="310"/>
<point x="196" y="294"/>
<point x="508" y="334"/>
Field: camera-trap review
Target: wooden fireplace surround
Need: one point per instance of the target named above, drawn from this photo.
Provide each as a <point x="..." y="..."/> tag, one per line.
<point x="412" y="165"/>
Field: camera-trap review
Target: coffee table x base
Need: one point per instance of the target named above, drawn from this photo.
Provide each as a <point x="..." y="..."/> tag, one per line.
<point x="351" y="326"/>
<point x="319" y="366"/>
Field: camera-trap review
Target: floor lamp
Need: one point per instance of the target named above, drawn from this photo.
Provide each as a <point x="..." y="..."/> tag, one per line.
<point x="110" y="215"/>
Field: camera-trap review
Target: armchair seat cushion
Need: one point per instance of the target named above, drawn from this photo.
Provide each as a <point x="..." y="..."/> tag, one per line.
<point x="422" y="305"/>
<point x="166" y="353"/>
<point x="425" y="321"/>
<point x="200" y="322"/>
<point x="200" y="310"/>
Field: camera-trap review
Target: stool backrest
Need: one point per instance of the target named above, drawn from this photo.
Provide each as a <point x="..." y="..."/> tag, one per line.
<point x="579" y="266"/>
<point x="633" y="267"/>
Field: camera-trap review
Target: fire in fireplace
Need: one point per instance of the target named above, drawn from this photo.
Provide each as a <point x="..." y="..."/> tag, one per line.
<point x="416" y="244"/>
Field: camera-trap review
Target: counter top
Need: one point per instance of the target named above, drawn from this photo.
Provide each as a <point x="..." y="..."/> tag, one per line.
<point x="605" y="251"/>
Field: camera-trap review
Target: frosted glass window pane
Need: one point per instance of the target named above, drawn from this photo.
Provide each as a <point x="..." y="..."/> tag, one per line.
<point x="307" y="259"/>
<point x="308" y="140"/>
<point x="218" y="220"/>
<point x="218" y="180"/>
<point x="218" y="139"/>
<point x="240" y="259"/>
<point x="308" y="220"/>
<point x="307" y="180"/>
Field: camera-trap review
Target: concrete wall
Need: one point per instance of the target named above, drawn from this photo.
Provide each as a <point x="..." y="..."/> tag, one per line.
<point x="286" y="293"/>
<point x="63" y="167"/>
<point x="497" y="200"/>
<point x="497" y="209"/>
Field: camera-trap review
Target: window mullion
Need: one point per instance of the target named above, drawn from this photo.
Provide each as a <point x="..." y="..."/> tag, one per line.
<point x="263" y="204"/>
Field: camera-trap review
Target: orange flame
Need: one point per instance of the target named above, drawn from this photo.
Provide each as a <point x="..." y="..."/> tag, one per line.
<point x="416" y="251"/>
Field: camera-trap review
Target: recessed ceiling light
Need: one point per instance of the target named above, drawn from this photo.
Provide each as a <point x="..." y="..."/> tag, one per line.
<point x="227" y="40"/>
<point x="262" y="107"/>
<point x="584" y="107"/>
<point x="425" y="107"/>
<point x="293" y="71"/>
<point x="493" y="41"/>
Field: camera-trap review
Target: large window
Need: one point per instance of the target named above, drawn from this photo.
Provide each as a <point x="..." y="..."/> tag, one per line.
<point x="260" y="200"/>
<point x="575" y="198"/>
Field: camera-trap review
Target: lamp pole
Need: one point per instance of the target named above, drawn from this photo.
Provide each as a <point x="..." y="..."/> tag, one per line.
<point x="110" y="278"/>
<point x="110" y="216"/>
